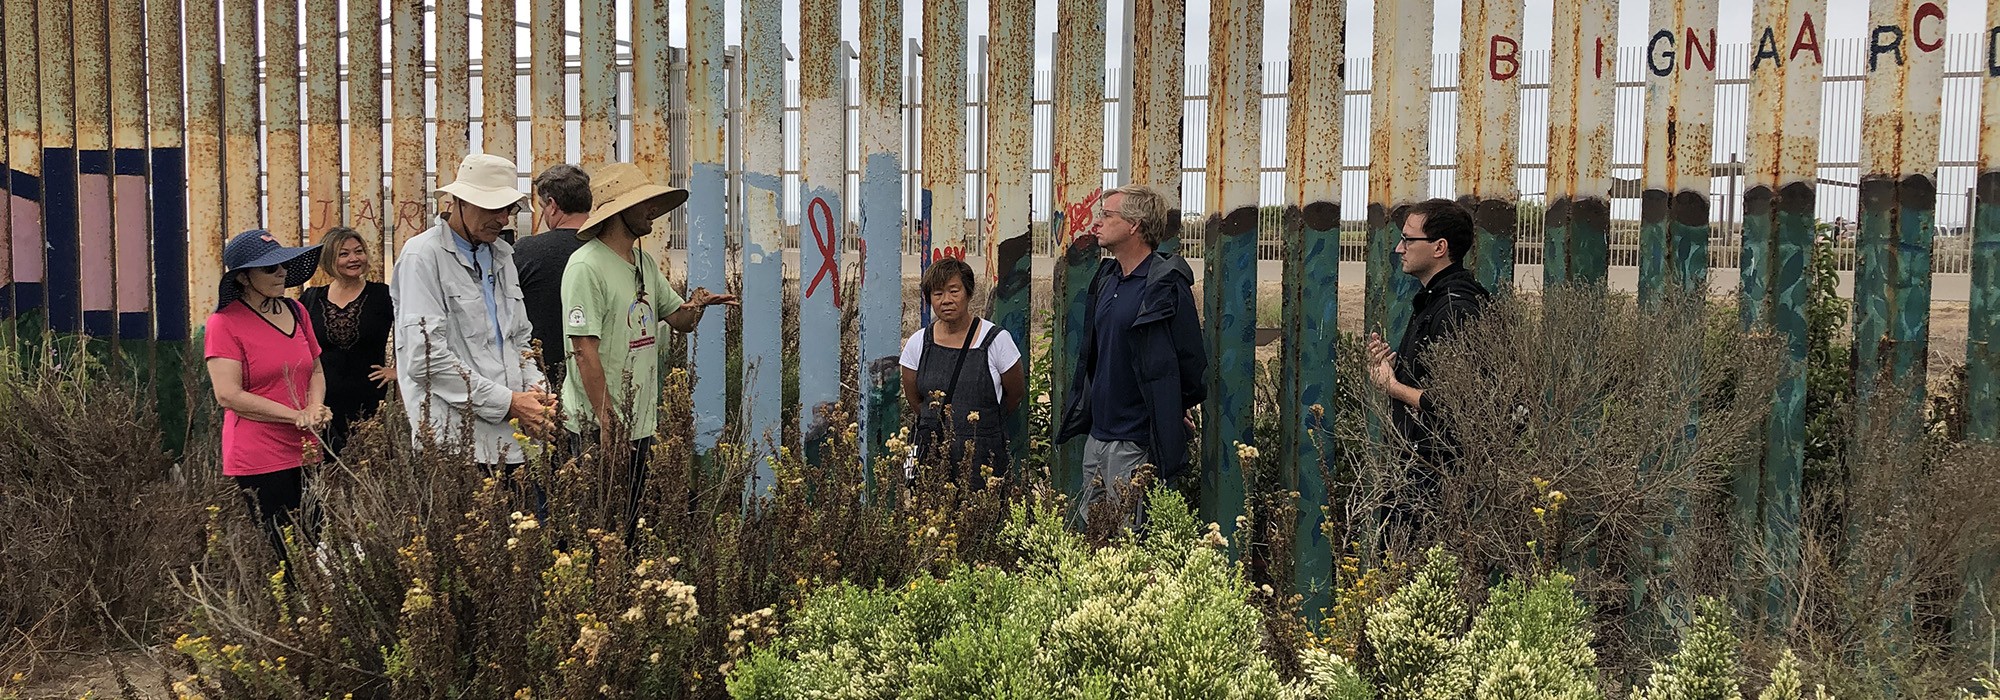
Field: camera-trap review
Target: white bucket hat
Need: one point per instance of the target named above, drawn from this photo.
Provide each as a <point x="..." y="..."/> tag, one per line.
<point x="485" y="181"/>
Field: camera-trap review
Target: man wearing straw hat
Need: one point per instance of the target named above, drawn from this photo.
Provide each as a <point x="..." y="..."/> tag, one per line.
<point x="614" y="297"/>
<point x="462" y="334"/>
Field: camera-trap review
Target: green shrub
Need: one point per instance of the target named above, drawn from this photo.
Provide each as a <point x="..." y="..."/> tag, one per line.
<point x="1165" y="616"/>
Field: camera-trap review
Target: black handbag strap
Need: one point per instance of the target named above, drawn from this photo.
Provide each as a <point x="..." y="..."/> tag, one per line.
<point x="963" y="349"/>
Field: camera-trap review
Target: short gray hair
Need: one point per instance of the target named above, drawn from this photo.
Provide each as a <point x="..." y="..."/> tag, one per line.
<point x="1146" y="209"/>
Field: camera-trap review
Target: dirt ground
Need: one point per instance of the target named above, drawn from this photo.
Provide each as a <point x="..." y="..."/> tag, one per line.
<point x="96" y="676"/>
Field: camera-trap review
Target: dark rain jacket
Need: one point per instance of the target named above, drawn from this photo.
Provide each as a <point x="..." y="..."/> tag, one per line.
<point x="1166" y="345"/>
<point x="1452" y="297"/>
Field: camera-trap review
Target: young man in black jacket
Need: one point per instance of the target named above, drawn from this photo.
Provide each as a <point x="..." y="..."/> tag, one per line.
<point x="1143" y="361"/>
<point x="1437" y="234"/>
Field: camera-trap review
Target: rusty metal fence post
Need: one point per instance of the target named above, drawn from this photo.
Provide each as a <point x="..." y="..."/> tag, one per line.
<point x="454" y="90"/>
<point x="284" y="180"/>
<point x="1399" y="156"/>
<point x="411" y="148"/>
<point x="94" y="245"/>
<point x="763" y="250"/>
<point x="132" y="246"/>
<point x="364" y="128"/>
<point x="1076" y="165"/>
<point x="1008" y="108"/>
<point x="1489" y="116"/>
<point x="326" y="208"/>
<point x="1311" y="287"/>
<point x="1583" y="65"/>
<point x="59" y="208"/>
<point x="823" y="166"/>
<point x="1892" y="277"/>
<point x="1778" y="223"/>
<point x="881" y="283"/>
<point x="707" y="206"/>
<point x="1229" y="286"/>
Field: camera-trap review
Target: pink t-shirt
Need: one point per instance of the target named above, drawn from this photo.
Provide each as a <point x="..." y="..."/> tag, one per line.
<point x="276" y="366"/>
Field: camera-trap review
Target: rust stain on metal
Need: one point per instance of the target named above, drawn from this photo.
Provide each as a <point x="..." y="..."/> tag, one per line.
<point x="1694" y="99"/>
<point x="546" y="54"/>
<point x="206" y="228"/>
<point x="58" y="95"/>
<point x="650" y="67"/>
<point x="406" y="28"/>
<point x="821" y="97"/>
<point x="165" y="126"/>
<point x="281" y="107"/>
<point x="497" y="80"/>
<point x="1399" y="138"/>
<point x="242" y="159"/>
<point x="1318" y="65"/>
<point x="1660" y="154"/>
<point x="1079" y="116"/>
<point x="944" y="122"/>
<point x="1569" y="50"/>
<point x="1008" y="112"/>
<point x="1159" y="79"/>
<point x="764" y="106"/>
<point x="1489" y="98"/>
<point x="93" y="77"/>
<point x="454" y="87"/>
<point x="1763" y="139"/>
<point x="325" y="207"/>
<point x="1798" y="159"/>
<point x="707" y="125"/>
<point x="1594" y="106"/>
<point x="128" y="73"/>
<point x="24" y="109"/>
<point x="1236" y="89"/>
<point x="599" y="88"/>
<point x="364" y="126"/>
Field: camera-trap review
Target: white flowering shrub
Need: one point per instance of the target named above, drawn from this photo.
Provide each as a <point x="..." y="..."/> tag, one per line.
<point x="1705" y="667"/>
<point x="1415" y="633"/>
<point x="1166" y="616"/>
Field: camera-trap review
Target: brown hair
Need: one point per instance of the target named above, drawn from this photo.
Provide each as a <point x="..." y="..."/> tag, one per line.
<point x="568" y="185"/>
<point x="942" y="272"/>
<point x="1445" y="220"/>
<point x="329" y="247"/>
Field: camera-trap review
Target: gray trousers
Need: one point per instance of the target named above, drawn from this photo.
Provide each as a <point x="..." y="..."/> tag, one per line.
<point x="1107" y="475"/>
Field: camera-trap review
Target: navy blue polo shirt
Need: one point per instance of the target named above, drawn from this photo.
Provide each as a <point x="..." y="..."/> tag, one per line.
<point x="1117" y="409"/>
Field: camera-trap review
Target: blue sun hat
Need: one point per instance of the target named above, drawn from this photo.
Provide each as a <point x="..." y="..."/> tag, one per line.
<point x="257" y="248"/>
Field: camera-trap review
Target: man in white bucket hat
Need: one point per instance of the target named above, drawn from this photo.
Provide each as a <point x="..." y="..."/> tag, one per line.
<point x="462" y="333"/>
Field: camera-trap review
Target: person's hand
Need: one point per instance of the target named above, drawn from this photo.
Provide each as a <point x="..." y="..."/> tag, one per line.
<point x="1188" y="420"/>
<point x="701" y="298"/>
<point x="1381" y="362"/>
<point x="312" y="418"/>
<point x="383" y="376"/>
<point x="534" y="410"/>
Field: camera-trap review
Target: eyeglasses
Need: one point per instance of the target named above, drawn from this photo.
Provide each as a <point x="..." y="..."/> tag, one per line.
<point x="1414" y="239"/>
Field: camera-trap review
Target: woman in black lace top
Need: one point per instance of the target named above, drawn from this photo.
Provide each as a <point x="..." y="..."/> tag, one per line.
<point x="353" y="318"/>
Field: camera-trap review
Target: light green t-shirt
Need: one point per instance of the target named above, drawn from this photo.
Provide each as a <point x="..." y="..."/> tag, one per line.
<point x="602" y="297"/>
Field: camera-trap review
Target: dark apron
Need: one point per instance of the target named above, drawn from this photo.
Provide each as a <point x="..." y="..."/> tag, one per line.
<point x="971" y="392"/>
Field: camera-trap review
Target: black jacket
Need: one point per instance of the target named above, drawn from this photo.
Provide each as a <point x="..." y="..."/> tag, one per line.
<point x="1451" y="298"/>
<point x="1171" y="361"/>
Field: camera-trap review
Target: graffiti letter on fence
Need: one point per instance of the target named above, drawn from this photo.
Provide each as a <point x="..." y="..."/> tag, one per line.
<point x="1767" y="47"/>
<point x="1599" y="64"/>
<point x="1653" y="54"/>
<point x="1876" y="48"/>
<point x="1694" y="49"/>
<point x="1928" y="10"/>
<point x="410" y="213"/>
<point x="322" y="215"/>
<point x="1512" y="58"/>
<point x="953" y="252"/>
<point x="1808" y="40"/>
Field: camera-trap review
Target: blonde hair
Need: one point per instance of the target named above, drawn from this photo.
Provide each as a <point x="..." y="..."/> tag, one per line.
<point x="1146" y="209"/>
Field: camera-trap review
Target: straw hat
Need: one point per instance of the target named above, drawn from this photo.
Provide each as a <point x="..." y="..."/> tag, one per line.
<point x="621" y="186"/>
<point x="257" y="248"/>
<point x="485" y="181"/>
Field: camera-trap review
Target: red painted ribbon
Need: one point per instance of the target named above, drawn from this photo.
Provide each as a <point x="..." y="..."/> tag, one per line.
<point x="819" y="215"/>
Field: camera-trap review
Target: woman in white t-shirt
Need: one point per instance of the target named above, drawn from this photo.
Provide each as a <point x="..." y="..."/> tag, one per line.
<point x="961" y="376"/>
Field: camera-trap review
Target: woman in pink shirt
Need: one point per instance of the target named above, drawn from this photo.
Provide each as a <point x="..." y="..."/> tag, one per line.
<point x="263" y="361"/>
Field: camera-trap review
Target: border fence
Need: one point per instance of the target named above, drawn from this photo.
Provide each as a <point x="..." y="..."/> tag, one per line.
<point x="141" y="134"/>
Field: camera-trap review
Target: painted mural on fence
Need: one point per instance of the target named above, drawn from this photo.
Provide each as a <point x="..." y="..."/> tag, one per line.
<point x="92" y="252"/>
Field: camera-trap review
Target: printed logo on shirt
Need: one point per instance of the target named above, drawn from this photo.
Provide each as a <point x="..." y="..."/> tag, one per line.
<point x="576" y="316"/>
<point x="639" y="318"/>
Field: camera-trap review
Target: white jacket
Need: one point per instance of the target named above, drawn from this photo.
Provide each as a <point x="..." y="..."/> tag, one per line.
<point x="446" y="361"/>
